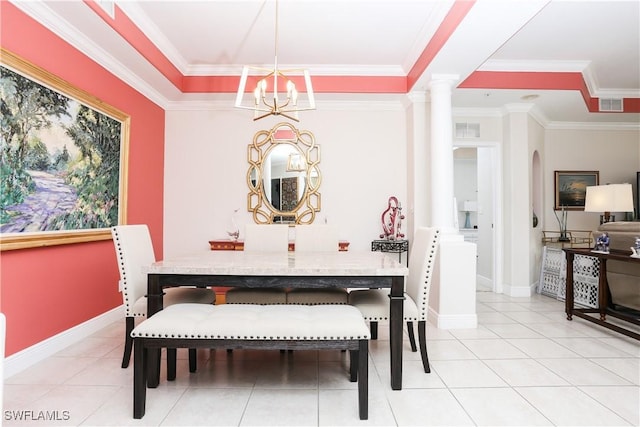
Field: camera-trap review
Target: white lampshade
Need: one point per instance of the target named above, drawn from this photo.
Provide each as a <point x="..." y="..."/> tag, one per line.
<point x="469" y="206"/>
<point x="609" y="198"/>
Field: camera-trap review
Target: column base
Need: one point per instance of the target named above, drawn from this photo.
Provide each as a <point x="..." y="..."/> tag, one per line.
<point x="452" y="303"/>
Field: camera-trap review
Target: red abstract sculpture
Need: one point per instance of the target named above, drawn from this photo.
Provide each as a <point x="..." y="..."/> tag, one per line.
<point x="392" y="220"/>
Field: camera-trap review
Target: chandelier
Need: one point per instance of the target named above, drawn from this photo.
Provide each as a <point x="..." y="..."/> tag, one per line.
<point x="270" y="88"/>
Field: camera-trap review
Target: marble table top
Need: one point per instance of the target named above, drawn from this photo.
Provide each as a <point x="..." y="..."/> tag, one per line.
<point x="281" y="264"/>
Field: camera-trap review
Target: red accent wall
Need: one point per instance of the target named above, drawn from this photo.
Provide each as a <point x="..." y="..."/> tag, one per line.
<point x="45" y="291"/>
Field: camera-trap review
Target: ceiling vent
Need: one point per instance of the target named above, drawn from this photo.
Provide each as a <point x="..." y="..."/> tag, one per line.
<point x="611" y="104"/>
<point x="467" y="130"/>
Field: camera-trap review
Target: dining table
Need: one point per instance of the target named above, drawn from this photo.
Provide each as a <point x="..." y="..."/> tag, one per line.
<point x="284" y="270"/>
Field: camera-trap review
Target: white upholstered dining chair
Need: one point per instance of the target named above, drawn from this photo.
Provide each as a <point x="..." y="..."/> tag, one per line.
<point x="316" y="238"/>
<point x="265" y="238"/>
<point x="134" y="250"/>
<point x="319" y="238"/>
<point x="374" y="303"/>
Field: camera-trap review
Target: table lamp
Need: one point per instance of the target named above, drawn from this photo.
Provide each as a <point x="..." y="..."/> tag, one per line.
<point x="468" y="207"/>
<point x="609" y="198"/>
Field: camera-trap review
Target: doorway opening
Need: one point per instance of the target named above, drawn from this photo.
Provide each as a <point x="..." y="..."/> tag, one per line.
<point x="477" y="179"/>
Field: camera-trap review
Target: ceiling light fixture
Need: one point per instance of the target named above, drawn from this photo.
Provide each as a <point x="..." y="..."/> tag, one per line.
<point x="278" y="83"/>
<point x="295" y="163"/>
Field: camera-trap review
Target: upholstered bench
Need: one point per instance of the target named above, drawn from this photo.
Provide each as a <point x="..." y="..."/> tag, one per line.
<point x="291" y="327"/>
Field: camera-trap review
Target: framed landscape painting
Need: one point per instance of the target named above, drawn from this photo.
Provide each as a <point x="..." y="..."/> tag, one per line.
<point x="63" y="159"/>
<point x="571" y="188"/>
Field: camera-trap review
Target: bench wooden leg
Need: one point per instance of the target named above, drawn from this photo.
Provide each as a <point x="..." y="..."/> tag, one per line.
<point x="143" y="370"/>
<point x="171" y="364"/>
<point x="139" y="378"/>
<point x="363" y="379"/>
<point x="153" y="366"/>
<point x="193" y="360"/>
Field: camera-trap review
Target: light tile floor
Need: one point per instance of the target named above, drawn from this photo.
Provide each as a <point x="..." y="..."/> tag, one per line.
<point x="524" y="365"/>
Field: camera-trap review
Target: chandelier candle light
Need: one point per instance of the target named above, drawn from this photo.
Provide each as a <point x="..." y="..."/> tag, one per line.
<point x="261" y="105"/>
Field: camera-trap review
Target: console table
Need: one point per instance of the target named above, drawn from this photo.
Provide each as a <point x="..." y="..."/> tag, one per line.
<point x="392" y="246"/>
<point x="574" y="239"/>
<point x="602" y="308"/>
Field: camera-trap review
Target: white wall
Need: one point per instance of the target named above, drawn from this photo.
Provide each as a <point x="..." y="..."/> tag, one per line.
<point x="614" y="153"/>
<point x="363" y="162"/>
<point x="418" y="160"/>
<point x="517" y="203"/>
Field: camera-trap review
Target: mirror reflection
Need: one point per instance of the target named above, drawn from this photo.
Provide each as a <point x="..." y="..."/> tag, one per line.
<point x="284" y="176"/>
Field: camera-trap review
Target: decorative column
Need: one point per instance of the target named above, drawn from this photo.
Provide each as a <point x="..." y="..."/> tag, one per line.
<point x="442" y="194"/>
<point x="453" y="295"/>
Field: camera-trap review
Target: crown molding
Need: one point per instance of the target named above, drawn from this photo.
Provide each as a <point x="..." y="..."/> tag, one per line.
<point x="426" y="33"/>
<point x="315" y="70"/>
<point x="146" y="26"/>
<point x="46" y="16"/>
<point x="326" y="105"/>
<point x="583" y="67"/>
<point x="535" y="66"/>
<point x="58" y="25"/>
<point x="618" y="126"/>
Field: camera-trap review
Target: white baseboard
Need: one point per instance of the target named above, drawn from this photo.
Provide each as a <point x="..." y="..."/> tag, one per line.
<point x="484" y="281"/>
<point x="23" y="359"/>
<point x="453" y="321"/>
<point x="518" y="291"/>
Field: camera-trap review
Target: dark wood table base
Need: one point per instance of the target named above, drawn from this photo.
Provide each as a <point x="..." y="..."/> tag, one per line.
<point x="156" y="283"/>
<point x="604" y="308"/>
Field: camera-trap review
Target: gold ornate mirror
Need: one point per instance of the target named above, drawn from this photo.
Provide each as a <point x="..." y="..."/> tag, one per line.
<point x="283" y="176"/>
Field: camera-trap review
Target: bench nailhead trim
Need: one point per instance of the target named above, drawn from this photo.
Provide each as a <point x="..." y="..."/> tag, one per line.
<point x="215" y="322"/>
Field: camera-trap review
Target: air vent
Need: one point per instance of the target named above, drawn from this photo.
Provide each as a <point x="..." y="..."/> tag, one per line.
<point x="611" y="104"/>
<point x="467" y="130"/>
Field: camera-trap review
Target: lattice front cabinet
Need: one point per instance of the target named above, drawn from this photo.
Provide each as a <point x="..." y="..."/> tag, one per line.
<point x="553" y="274"/>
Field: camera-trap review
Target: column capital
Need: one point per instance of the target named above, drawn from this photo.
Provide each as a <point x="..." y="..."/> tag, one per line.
<point x="450" y="79"/>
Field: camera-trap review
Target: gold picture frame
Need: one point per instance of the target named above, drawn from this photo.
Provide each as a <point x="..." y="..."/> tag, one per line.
<point x="75" y="143"/>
